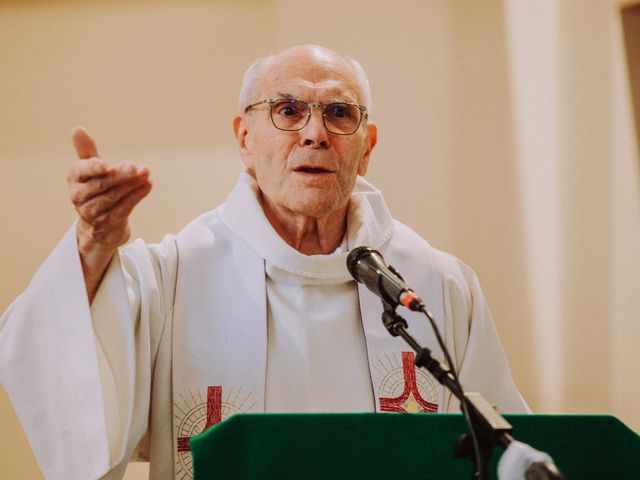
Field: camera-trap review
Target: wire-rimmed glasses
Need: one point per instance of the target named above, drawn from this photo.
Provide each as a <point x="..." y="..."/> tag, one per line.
<point x="291" y="115"/>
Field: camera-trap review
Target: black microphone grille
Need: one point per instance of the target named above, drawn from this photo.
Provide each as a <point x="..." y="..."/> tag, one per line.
<point x="354" y="257"/>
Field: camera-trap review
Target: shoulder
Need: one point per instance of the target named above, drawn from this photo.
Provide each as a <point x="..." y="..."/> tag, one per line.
<point x="429" y="268"/>
<point x="165" y="251"/>
<point x="201" y="232"/>
<point x="205" y="224"/>
<point x="207" y="236"/>
<point x="409" y="248"/>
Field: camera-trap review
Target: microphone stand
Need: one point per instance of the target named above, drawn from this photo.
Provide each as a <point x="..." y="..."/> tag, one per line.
<point x="487" y="427"/>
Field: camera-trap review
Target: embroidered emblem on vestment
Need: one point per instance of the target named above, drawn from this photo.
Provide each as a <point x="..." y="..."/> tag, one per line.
<point x="403" y="388"/>
<point x="194" y="415"/>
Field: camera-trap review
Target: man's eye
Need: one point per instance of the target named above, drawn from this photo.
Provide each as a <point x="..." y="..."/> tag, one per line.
<point x="340" y="111"/>
<point x="287" y="109"/>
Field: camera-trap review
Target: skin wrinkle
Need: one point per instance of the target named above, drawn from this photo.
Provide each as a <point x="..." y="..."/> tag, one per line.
<point x="308" y="209"/>
<point x="343" y="97"/>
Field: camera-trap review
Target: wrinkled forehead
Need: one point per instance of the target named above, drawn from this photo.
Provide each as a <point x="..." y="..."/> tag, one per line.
<point x="311" y="75"/>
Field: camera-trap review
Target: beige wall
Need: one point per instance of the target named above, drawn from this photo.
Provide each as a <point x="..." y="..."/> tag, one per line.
<point x="506" y="137"/>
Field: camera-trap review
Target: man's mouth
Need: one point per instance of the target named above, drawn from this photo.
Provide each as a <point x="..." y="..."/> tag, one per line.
<point x="312" y="169"/>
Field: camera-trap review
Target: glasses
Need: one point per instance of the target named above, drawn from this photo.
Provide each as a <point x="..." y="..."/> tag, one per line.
<point x="291" y="115"/>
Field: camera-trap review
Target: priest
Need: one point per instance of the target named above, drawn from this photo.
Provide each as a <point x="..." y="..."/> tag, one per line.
<point x="121" y="352"/>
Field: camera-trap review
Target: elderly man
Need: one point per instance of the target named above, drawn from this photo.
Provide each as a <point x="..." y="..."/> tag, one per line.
<point x="113" y="353"/>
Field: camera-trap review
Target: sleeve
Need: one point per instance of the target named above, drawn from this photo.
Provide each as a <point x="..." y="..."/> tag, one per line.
<point x="77" y="375"/>
<point x="483" y="367"/>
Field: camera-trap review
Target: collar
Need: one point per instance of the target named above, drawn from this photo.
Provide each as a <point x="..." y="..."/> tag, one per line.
<point x="368" y="223"/>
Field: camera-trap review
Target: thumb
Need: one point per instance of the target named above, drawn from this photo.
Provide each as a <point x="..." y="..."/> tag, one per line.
<point x="84" y="144"/>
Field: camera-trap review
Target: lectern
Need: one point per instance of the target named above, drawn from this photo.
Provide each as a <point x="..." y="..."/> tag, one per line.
<point x="396" y="446"/>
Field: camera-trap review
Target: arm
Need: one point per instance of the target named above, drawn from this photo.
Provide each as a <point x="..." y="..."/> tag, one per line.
<point x="104" y="198"/>
<point x="80" y="377"/>
<point x="484" y="367"/>
<point x="69" y="367"/>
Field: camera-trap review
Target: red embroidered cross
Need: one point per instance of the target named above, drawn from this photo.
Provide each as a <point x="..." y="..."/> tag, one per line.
<point x="214" y="415"/>
<point x="410" y="400"/>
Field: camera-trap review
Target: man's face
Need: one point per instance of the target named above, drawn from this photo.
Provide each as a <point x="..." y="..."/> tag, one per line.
<point x="310" y="172"/>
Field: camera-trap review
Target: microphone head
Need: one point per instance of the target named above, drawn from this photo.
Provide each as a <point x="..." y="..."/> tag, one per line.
<point x="354" y="257"/>
<point x="367" y="266"/>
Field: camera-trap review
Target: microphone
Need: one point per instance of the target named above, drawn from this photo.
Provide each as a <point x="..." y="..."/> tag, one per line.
<point x="367" y="266"/>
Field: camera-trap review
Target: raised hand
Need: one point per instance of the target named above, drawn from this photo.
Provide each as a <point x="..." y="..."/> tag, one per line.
<point x="104" y="197"/>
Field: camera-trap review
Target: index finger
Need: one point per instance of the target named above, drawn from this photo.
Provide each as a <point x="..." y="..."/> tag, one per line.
<point x="84" y="144"/>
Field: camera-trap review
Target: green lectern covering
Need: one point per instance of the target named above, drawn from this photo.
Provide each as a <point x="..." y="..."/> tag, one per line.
<point x="397" y="446"/>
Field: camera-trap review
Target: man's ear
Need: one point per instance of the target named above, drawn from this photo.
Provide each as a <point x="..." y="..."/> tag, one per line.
<point x="240" y="131"/>
<point x="371" y="139"/>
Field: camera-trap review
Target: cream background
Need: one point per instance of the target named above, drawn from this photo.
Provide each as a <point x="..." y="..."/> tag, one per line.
<point x="506" y="138"/>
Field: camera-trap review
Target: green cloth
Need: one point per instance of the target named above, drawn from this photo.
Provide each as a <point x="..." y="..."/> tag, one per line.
<point x="390" y="445"/>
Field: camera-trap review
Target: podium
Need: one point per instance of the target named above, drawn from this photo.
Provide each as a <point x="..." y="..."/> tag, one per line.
<point x="392" y="446"/>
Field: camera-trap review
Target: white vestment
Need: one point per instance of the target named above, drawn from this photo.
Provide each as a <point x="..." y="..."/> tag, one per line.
<point x="187" y="332"/>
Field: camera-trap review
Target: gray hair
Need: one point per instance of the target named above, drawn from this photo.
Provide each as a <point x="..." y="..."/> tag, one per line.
<point x="256" y="70"/>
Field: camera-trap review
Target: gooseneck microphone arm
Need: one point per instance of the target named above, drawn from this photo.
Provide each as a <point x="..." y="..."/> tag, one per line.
<point x="367" y="266"/>
<point x="487" y="428"/>
<point x="468" y="445"/>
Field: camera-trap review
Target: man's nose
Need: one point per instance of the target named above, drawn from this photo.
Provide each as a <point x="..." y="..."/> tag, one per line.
<point x="314" y="134"/>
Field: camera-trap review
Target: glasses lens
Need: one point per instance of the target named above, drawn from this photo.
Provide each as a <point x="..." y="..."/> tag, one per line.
<point x="289" y="114"/>
<point x="342" y="118"/>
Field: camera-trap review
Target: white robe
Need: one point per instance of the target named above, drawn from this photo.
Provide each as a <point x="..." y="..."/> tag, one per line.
<point x="176" y="338"/>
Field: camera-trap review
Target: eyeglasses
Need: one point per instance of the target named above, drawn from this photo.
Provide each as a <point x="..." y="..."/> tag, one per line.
<point x="291" y="115"/>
